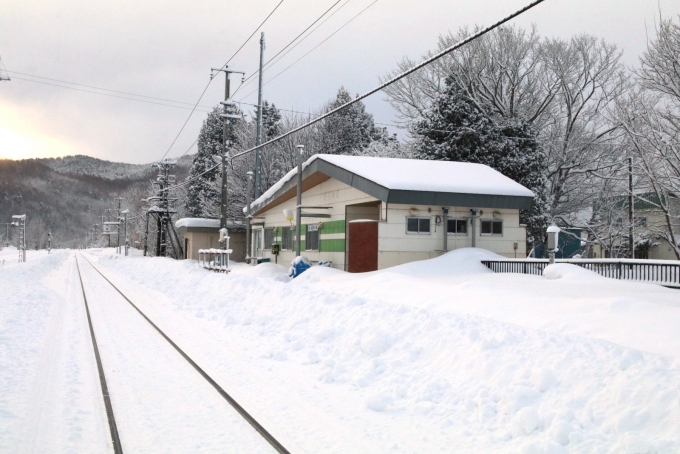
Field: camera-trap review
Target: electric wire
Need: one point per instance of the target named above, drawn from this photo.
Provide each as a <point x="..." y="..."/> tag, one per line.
<point x="315" y="47"/>
<point x="272" y="62"/>
<point x="384" y="84"/>
<point x="211" y="79"/>
<point x="110" y="95"/>
<point x="129" y="93"/>
<point x="396" y="78"/>
<point x="104" y="89"/>
<point x="287" y="45"/>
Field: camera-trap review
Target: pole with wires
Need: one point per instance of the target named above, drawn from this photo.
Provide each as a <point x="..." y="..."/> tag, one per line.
<point x="226" y="116"/>
<point x="396" y="78"/>
<point x="258" y="138"/>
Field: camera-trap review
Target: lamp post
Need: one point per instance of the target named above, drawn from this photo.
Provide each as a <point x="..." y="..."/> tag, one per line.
<point x="298" y="211"/>
<point x="553" y="242"/>
<point x="248" y="226"/>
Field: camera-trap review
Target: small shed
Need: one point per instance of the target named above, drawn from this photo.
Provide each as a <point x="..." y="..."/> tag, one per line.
<point x="409" y="210"/>
<point x="200" y="233"/>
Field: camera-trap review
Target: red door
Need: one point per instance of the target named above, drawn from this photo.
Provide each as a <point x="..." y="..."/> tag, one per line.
<point x="362" y="255"/>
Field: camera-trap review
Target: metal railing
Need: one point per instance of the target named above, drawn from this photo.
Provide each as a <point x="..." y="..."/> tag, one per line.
<point x="214" y="259"/>
<point x="663" y="272"/>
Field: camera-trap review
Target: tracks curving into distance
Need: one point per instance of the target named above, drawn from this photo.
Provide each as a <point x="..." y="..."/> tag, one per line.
<point x="109" y="409"/>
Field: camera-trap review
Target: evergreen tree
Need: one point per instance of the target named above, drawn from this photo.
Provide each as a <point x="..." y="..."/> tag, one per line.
<point x="456" y="128"/>
<point x="350" y="129"/>
<point x="202" y="193"/>
<point x="271" y="121"/>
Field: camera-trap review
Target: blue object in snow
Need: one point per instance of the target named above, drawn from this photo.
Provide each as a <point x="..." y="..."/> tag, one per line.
<point x="299" y="266"/>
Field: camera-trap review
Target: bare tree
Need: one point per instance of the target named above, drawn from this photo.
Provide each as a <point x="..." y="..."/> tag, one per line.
<point x="650" y="118"/>
<point x="562" y="88"/>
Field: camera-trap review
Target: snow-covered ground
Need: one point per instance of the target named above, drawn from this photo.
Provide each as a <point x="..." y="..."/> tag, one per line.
<point x="433" y="356"/>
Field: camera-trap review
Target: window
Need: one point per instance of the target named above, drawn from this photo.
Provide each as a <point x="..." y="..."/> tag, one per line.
<point x="286" y="239"/>
<point x="257" y="240"/>
<point x="418" y="225"/>
<point x="492" y="227"/>
<point x="312" y="237"/>
<point x="457" y="226"/>
<point x="268" y="238"/>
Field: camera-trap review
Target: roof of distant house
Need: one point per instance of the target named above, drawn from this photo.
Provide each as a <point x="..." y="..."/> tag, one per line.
<point x="407" y="181"/>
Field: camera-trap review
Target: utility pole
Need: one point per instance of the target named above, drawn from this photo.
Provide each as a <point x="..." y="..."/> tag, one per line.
<point x="125" y="213"/>
<point x="225" y="142"/>
<point x="20" y="222"/>
<point x="3" y="77"/>
<point x="631" y="240"/>
<point x="118" y="219"/>
<point x="7" y="224"/>
<point x="162" y="210"/>
<point x="258" y="138"/>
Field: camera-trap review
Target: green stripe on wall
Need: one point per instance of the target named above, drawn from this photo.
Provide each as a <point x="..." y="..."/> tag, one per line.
<point x="336" y="245"/>
<point x="331" y="227"/>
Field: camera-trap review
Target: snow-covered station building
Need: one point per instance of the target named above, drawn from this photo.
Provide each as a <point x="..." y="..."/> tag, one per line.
<point x="367" y="213"/>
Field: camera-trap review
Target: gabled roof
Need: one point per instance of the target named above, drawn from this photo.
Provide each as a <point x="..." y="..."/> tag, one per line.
<point x="406" y="181"/>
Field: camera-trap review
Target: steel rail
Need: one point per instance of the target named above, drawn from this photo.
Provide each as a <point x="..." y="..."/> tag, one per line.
<point x="242" y="411"/>
<point x="115" y="439"/>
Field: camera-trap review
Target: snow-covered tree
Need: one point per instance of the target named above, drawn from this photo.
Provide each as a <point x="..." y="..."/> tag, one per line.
<point x="562" y="88"/>
<point x="271" y="121"/>
<point x="350" y="129"/>
<point x="650" y="118"/>
<point x="456" y="128"/>
<point x="201" y="192"/>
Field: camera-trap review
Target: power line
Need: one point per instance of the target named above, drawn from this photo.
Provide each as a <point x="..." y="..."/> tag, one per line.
<point x="384" y="84"/>
<point x="314" y="48"/>
<point x="210" y="81"/>
<point x="103" y="89"/>
<point x="107" y="94"/>
<point x="287" y="45"/>
<point x="397" y="77"/>
<point x="271" y="63"/>
<point x="128" y="93"/>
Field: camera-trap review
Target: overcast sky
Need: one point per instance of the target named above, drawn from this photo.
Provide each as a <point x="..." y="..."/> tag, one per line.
<point x="165" y="49"/>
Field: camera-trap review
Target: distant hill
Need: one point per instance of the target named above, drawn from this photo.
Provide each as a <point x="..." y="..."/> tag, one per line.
<point x="86" y="165"/>
<point x="67" y="195"/>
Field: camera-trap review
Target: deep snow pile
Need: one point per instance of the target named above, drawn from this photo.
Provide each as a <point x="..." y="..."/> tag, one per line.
<point x="50" y="400"/>
<point x="433" y="356"/>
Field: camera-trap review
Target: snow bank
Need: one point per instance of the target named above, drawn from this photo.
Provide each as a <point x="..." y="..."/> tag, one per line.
<point x="433" y="354"/>
<point x="571" y="272"/>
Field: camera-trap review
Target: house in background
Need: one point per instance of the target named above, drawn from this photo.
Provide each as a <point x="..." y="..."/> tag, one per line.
<point x="367" y="213"/>
<point x="199" y="233"/>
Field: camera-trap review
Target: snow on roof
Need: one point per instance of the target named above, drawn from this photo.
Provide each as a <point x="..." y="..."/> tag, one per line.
<point x="198" y="222"/>
<point x="416" y="175"/>
<point x="435" y="176"/>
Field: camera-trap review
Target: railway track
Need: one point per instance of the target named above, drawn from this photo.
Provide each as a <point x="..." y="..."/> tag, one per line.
<point x="113" y="426"/>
